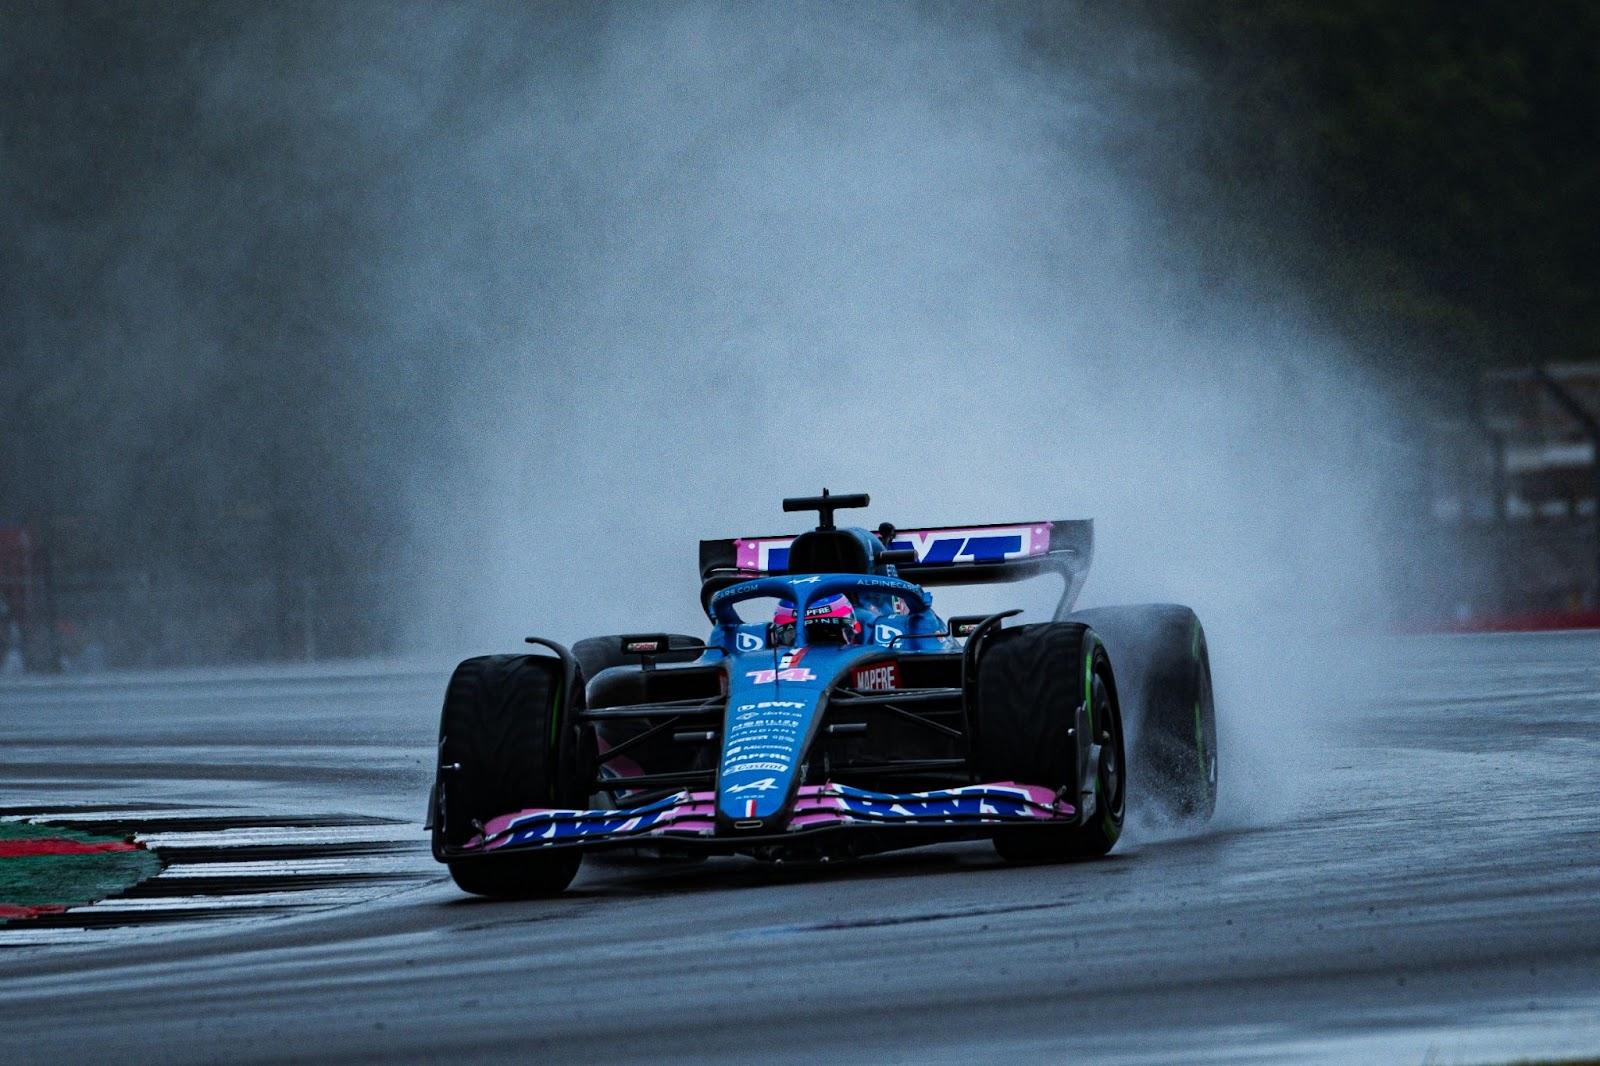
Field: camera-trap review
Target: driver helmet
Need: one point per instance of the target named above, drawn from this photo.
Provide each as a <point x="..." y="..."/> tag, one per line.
<point x="828" y="621"/>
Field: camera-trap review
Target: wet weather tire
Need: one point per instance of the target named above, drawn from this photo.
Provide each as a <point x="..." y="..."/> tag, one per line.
<point x="1047" y="715"/>
<point x="504" y="747"/>
<point x="1164" y="673"/>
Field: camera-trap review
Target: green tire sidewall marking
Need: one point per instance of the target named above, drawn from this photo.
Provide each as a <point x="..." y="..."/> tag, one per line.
<point x="1088" y="680"/>
<point x="1199" y="735"/>
<point x="1199" y="725"/>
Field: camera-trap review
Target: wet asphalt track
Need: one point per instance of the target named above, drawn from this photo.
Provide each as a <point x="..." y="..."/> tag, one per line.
<point x="1431" y="892"/>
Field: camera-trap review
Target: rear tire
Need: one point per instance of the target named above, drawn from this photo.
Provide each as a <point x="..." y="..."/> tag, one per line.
<point x="1045" y="695"/>
<point x="504" y="725"/>
<point x="1165" y="674"/>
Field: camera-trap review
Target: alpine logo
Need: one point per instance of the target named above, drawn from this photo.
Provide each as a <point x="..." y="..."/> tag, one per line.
<point x="880" y="677"/>
<point x="765" y="784"/>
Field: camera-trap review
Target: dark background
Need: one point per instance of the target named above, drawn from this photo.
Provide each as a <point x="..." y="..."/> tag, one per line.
<point x="204" y="410"/>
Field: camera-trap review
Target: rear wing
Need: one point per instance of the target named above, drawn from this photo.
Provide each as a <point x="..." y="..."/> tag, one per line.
<point x="946" y="555"/>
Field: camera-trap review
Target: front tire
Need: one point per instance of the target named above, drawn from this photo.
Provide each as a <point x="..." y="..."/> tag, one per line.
<point x="1048" y="715"/>
<point x="503" y="734"/>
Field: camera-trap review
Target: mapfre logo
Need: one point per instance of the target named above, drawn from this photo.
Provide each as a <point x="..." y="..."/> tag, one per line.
<point x="880" y="677"/>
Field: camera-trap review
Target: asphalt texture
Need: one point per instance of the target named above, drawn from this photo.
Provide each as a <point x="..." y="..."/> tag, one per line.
<point x="1423" y="887"/>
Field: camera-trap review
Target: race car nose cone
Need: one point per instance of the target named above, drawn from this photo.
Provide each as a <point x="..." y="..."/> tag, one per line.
<point x="733" y="827"/>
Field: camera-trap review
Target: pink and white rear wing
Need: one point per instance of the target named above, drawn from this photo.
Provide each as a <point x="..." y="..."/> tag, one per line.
<point x="946" y="555"/>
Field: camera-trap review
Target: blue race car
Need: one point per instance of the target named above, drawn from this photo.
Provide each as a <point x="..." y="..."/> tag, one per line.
<point x="847" y="719"/>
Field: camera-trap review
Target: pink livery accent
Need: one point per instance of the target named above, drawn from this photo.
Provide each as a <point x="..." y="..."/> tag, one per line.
<point x="692" y="814"/>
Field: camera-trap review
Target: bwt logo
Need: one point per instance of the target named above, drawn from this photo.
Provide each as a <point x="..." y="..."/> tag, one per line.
<point x="937" y="547"/>
<point x="942" y="549"/>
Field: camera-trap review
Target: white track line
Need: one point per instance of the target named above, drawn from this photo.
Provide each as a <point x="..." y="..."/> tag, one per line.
<point x="134" y="817"/>
<point x="319" y="897"/>
<point x="20" y="936"/>
<point x="353" y="864"/>
<point x="286" y="835"/>
<point x="93" y="812"/>
<point x="173" y="878"/>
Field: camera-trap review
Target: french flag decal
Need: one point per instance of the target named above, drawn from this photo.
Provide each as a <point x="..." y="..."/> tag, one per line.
<point x="749" y="808"/>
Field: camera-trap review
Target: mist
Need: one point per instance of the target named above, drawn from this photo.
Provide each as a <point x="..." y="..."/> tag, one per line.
<point x="550" y="295"/>
<point x="894" y="255"/>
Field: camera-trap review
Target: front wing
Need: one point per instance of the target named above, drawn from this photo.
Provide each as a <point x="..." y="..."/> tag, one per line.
<point x="692" y="815"/>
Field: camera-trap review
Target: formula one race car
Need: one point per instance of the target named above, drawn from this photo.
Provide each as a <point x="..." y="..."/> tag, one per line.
<point x="851" y="720"/>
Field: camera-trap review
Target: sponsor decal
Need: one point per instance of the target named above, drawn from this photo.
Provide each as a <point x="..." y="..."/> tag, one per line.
<point x="880" y="677"/>
<point x="942" y="547"/>
<point x="934" y="547"/>
<point x="641" y="647"/>
<point x="775" y="714"/>
<point x="767" y="677"/>
<point x="765" y="784"/>
<point x="749" y="642"/>
<point x="738" y="760"/>
<point x="762" y="705"/>
<point x="964" y="627"/>
<point x="886" y="635"/>
<point x="749" y="766"/>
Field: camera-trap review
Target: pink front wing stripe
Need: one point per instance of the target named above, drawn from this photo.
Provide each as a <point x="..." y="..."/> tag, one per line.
<point x="693" y="813"/>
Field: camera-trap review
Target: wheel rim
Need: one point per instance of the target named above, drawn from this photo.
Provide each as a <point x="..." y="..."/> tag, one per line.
<point x="1110" y="775"/>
